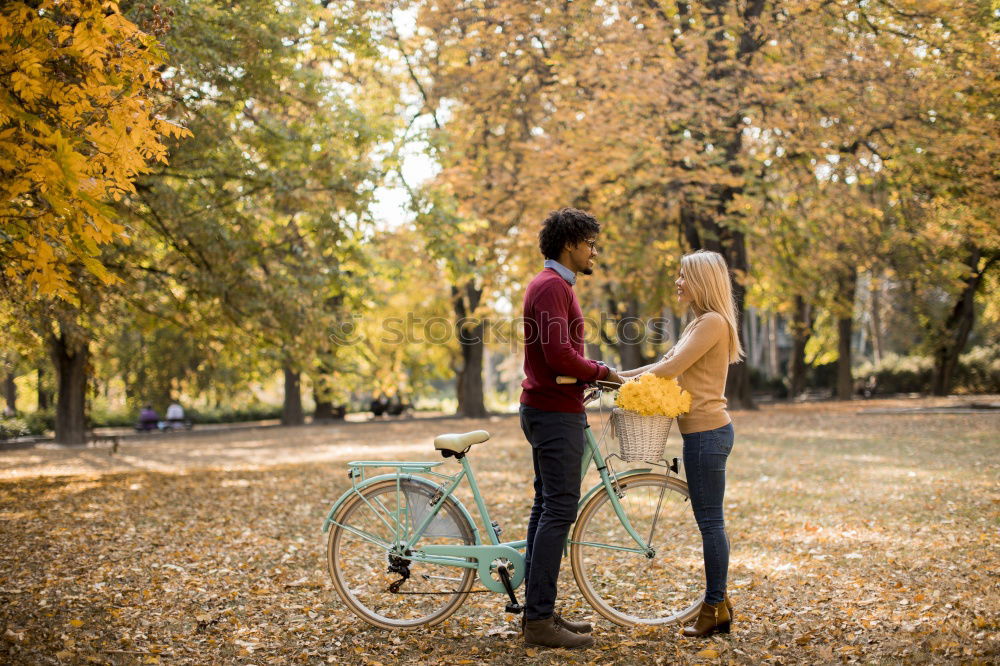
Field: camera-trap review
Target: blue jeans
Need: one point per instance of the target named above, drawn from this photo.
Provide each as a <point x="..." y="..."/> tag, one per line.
<point x="705" y="455"/>
<point x="556" y="440"/>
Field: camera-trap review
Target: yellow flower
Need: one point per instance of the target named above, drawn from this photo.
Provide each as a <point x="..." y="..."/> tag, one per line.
<point x="654" y="396"/>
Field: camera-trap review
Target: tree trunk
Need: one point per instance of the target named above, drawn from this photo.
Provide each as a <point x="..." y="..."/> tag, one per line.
<point x="801" y="330"/>
<point x="752" y="326"/>
<point x="324" y="409"/>
<point x="291" y="411"/>
<point x="44" y="394"/>
<point x="322" y="384"/>
<point x="470" y="331"/>
<point x="630" y="333"/>
<point x="845" y="330"/>
<point x="10" y="394"/>
<point x="70" y="361"/>
<point x="876" y="321"/>
<point x="772" y="346"/>
<point x="958" y="326"/>
<point x="704" y="233"/>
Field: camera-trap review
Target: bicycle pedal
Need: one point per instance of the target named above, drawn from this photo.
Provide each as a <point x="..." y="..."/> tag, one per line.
<point x="515" y="609"/>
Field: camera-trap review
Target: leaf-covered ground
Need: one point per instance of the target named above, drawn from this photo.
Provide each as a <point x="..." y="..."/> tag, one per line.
<point x="857" y="537"/>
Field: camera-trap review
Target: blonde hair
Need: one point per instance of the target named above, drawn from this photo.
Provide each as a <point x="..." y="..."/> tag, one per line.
<point x="707" y="282"/>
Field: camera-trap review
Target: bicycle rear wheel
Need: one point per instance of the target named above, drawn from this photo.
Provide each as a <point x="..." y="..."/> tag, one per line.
<point x="392" y="591"/>
<point x="624" y="585"/>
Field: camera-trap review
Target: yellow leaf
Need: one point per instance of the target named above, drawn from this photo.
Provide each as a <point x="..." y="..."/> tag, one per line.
<point x="708" y="653"/>
<point x="76" y="623"/>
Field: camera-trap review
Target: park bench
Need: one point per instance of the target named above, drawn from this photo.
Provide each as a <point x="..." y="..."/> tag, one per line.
<point x="93" y="439"/>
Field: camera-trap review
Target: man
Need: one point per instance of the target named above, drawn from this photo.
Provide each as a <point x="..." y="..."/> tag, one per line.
<point x="175" y="415"/>
<point x="553" y="418"/>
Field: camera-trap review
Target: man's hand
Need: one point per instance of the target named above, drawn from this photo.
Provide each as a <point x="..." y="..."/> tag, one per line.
<point x="613" y="377"/>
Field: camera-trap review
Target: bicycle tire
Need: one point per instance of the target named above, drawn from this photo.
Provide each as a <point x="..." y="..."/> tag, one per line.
<point x="359" y="565"/>
<point x="627" y="587"/>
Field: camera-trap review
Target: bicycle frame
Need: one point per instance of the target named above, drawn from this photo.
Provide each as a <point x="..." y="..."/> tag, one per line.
<point x="480" y="556"/>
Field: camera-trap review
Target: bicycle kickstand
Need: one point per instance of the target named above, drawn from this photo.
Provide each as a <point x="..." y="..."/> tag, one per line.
<point x="513" y="606"/>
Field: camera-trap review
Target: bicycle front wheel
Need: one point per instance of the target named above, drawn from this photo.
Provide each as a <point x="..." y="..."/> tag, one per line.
<point x="384" y="588"/>
<point x="619" y="580"/>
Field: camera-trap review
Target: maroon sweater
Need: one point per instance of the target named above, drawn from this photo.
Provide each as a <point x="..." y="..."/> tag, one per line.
<point x="553" y="346"/>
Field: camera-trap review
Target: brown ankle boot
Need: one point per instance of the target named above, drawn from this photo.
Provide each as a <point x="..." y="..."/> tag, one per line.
<point x="729" y="607"/>
<point x="575" y="627"/>
<point x="711" y="619"/>
<point x="549" y="633"/>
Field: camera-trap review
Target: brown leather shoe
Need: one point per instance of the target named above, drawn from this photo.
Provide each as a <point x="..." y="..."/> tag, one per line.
<point x="711" y="619"/>
<point x="575" y="627"/>
<point x="729" y="607"/>
<point x="549" y="633"/>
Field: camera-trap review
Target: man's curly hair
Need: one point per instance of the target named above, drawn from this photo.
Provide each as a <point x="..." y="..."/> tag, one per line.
<point x="566" y="226"/>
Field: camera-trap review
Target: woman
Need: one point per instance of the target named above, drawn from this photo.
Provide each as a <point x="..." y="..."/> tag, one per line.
<point x="700" y="361"/>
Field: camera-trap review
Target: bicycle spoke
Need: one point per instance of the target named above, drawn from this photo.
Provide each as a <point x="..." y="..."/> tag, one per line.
<point x="614" y="573"/>
<point x="368" y="567"/>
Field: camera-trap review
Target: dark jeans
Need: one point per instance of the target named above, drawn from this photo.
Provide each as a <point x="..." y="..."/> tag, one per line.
<point x="556" y="440"/>
<point x="705" y="455"/>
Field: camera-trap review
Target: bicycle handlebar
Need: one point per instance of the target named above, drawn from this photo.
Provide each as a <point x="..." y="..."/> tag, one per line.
<point x="600" y="383"/>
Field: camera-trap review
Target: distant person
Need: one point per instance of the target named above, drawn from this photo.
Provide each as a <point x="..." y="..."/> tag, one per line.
<point x="379" y="405"/>
<point x="175" y="415"/>
<point x="148" y="418"/>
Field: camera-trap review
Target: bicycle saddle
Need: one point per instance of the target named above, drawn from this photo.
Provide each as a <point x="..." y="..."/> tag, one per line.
<point x="460" y="443"/>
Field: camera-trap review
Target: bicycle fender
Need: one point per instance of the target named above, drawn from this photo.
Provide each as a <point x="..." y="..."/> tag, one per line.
<point x="402" y="477"/>
<point x="600" y="486"/>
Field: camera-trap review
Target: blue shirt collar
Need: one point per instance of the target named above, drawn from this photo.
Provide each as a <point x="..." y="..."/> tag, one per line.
<point x="564" y="273"/>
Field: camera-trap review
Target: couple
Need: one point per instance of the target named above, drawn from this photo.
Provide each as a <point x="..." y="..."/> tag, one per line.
<point x="553" y="418"/>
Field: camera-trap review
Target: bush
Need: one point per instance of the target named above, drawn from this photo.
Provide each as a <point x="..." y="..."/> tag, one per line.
<point x="100" y="418"/>
<point x="11" y="427"/>
<point x="761" y="383"/>
<point x="41" y="422"/>
<point x="257" y="412"/>
<point x="822" y="376"/>
<point x="895" y="374"/>
<point x="978" y="370"/>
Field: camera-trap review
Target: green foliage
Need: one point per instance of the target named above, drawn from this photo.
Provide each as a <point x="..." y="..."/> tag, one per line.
<point x="252" y="412"/>
<point x="40" y="422"/>
<point x="978" y="372"/>
<point x="761" y="383"/>
<point x="895" y="374"/>
<point x="11" y="427"/>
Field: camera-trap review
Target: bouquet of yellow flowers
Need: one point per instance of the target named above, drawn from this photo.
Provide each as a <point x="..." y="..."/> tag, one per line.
<point x="654" y="396"/>
<point x="645" y="409"/>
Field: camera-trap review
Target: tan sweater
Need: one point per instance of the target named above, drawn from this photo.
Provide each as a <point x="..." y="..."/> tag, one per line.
<point x="700" y="362"/>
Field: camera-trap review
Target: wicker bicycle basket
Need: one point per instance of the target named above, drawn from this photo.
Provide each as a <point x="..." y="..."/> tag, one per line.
<point x="641" y="438"/>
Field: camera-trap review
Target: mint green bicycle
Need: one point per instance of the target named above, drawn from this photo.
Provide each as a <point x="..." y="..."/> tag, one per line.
<point x="404" y="552"/>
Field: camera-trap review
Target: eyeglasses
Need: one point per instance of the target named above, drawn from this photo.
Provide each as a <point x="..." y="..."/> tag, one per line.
<point x="592" y="244"/>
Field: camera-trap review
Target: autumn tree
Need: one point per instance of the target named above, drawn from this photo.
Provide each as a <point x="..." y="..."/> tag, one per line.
<point x="78" y="124"/>
<point x="676" y="120"/>
<point x="260" y="217"/>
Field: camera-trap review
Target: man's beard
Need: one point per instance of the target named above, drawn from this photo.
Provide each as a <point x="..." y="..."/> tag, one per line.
<point x="588" y="271"/>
